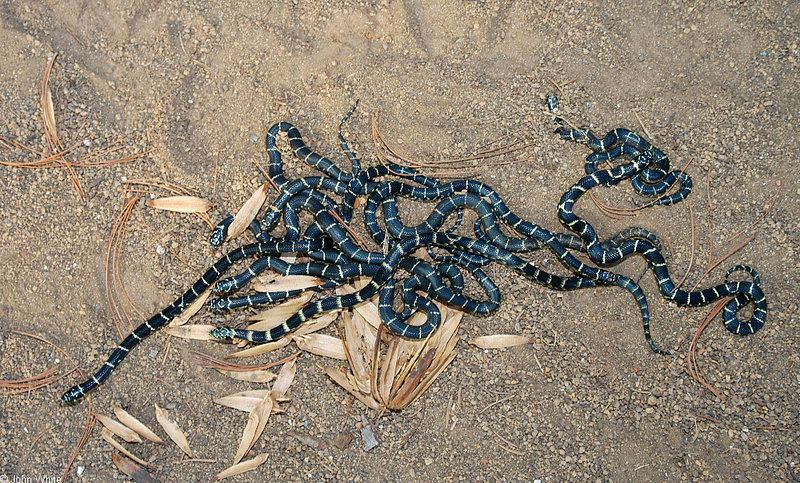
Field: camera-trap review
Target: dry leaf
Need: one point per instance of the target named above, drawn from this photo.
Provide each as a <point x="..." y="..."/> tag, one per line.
<point x="249" y="433"/>
<point x="258" y="375"/>
<point x="136" y="425"/>
<point x="180" y="204"/>
<point x="322" y="345"/>
<point x="241" y="401"/>
<point x="500" y="341"/>
<point x="192" y="309"/>
<point x="424" y="385"/>
<point x="248" y="212"/>
<point x="356" y="350"/>
<point x="173" y="431"/>
<point x="119" y="429"/>
<point x="368" y="310"/>
<point x="285" y="377"/>
<point x="340" y="378"/>
<point x="261" y="348"/>
<point x="275" y="316"/>
<point x="194" y="331"/>
<point x="263" y="409"/>
<point x="108" y="436"/>
<point x="134" y="471"/>
<point x="241" y="467"/>
<point x="316" y="323"/>
<point x="288" y="283"/>
<point x="256" y="422"/>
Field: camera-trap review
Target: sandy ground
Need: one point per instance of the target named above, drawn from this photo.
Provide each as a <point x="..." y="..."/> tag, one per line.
<point x="198" y="83"/>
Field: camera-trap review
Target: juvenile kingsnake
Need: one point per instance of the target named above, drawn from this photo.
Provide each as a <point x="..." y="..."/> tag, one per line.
<point x="336" y="259"/>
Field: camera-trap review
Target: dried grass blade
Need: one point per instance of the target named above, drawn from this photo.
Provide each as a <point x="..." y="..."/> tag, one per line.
<point x="369" y="311"/>
<point x="118" y="428"/>
<point x="366" y="331"/>
<point x="180" y="204"/>
<point x="500" y="341"/>
<point x="388" y="371"/>
<point x="248" y="212"/>
<point x="16" y="386"/>
<point x="693" y="368"/>
<point x="173" y="430"/>
<point x="241" y="467"/>
<point x="125" y="418"/>
<point x="410" y="383"/>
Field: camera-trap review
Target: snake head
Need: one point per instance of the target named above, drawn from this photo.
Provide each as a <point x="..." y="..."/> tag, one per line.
<point x="220" y="232"/>
<point x="222" y="333"/>
<point x="224" y="286"/>
<point x="71" y="396"/>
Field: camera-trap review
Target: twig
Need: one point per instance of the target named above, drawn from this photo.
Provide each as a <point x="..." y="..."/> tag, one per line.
<point x="722" y="260"/>
<point x="693" y="368"/>
<point x="644" y="128"/>
<point x="496" y="403"/>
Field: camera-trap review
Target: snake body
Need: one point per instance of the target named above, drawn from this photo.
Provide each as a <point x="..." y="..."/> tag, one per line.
<point x="335" y="258"/>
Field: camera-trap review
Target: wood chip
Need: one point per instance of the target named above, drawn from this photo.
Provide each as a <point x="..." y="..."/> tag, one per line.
<point x="134" y="471"/>
<point x="309" y="440"/>
<point x="342" y="440"/>
<point x="173" y="431"/>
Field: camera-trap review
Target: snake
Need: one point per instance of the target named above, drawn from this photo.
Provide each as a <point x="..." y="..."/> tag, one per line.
<point x="335" y="258"/>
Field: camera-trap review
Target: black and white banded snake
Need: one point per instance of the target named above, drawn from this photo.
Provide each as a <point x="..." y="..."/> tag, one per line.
<point x="335" y="258"/>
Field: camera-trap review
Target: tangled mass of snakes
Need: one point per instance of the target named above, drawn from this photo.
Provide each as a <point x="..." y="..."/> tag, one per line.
<point x="336" y="258"/>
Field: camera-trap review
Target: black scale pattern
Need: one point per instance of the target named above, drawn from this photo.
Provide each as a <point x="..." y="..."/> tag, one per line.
<point x="335" y="258"/>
